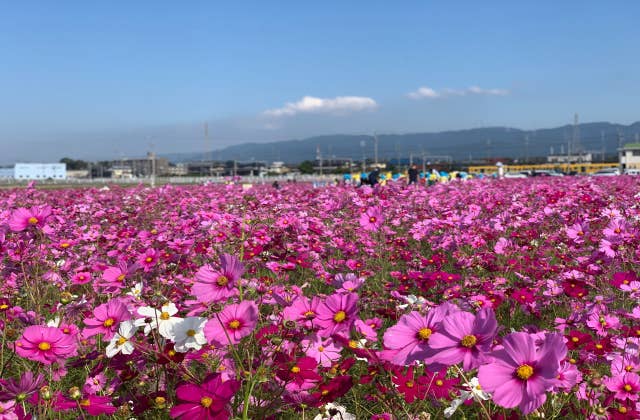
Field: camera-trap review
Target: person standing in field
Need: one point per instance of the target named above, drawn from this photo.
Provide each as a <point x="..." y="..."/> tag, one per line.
<point x="374" y="177"/>
<point x="413" y="174"/>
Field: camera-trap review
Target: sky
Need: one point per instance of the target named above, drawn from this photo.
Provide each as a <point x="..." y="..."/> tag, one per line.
<point x="98" y="80"/>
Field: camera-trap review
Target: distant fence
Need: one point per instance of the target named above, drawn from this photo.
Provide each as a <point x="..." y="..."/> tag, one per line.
<point x="178" y="180"/>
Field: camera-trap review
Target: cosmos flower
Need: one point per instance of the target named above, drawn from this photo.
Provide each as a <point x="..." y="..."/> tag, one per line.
<point x="520" y="373"/>
<point x="372" y="219"/>
<point x="45" y="344"/>
<point x="465" y="338"/>
<point x="336" y="314"/>
<point x="106" y="319"/>
<point x="23" y="218"/>
<point x="207" y="401"/>
<point x="218" y="285"/>
<point x="121" y="343"/>
<point x="232" y="324"/>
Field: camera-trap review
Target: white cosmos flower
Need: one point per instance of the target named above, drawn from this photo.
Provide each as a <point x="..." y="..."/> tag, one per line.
<point x="334" y="412"/>
<point x="120" y="342"/>
<point x="136" y="291"/>
<point x="161" y="319"/>
<point x="188" y="333"/>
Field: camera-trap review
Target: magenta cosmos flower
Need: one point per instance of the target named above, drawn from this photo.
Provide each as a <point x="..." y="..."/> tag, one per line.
<point x="23" y="218"/>
<point x="521" y="373"/>
<point x="626" y="386"/>
<point x="408" y="340"/>
<point x="106" y="319"/>
<point x="217" y="286"/>
<point x="207" y="401"/>
<point x="232" y="324"/>
<point x="337" y="313"/>
<point x="45" y="344"/>
<point x="465" y="338"/>
<point x="372" y="219"/>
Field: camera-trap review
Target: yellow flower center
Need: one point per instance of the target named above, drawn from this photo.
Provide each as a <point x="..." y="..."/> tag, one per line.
<point x="469" y="341"/>
<point x="191" y="333"/>
<point x="164" y="316"/>
<point x="65" y="245"/>
<point x="424" y="333"/>
<point x="372" y="219"/>
<point x="628" y="368"/>
<point x="575" y="339"/>
<point x="121" y="341"/>
<point x="309" y="314"/>
<point x="320" y="349"/>
<point x="295" y="369"/>
<point x="120" y="278"/>
<point x="32" y="221"/>
<point x="85" y="403"/>
<point x="524" y="372"/>
<point x="4" y="306"/>
<point x="160" y="401"/>
<point x="627" y="387"/>
<point x="340" y="316"/>
<point x="108" y="322"/>
<point x="234" y="325"/>
<point x="206" y="402"/>
<point x="148" y="259"/>
<point x="439" y="382"/>
<point x="222" y="281"/>
<point x="622" y="409"/>
<point x="409" y="384"/>
<point x="44" y="346"/>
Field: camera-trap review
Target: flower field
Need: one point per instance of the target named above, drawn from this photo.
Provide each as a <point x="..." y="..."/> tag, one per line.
<point x="493" y="299"/>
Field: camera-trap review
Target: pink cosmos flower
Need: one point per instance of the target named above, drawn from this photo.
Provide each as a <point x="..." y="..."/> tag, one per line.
<point x="7" y="411"/>
<point x="94" y="405"/>
<point x="106" y="319"/>
<point x="232" y="324"/>
<point x="520" y="374"/>
<point x="208" y="401"/>
<point x="23" y="218"/>
<point x="148" y="259"/>
<point x="302" y="311"/>
<point x="465" y="338"/>
<point x="409" y="338"/>
<point x="337" y="313"/>
<point x="114" y="277"/>
<point x="626" y="386"/>
<point x="45" y="344"/>
<point x="372" y="219"/>
<point x="217" y="286"/>
<point x="326" y="352"/>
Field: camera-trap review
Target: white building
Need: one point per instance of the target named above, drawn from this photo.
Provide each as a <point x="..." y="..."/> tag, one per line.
<point x="629" y="156"/>
<point x="581" y="158"/>
<point x="42" y="171"/>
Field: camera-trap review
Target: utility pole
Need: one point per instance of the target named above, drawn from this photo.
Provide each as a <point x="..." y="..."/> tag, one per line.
<point x="319" y="157"/>
<point x="375" y="148"/>
<point x="364" y="157"/>
<point x="207" y="148"/>
<point x="602" y="141"/>
<point x="526" y="148"/>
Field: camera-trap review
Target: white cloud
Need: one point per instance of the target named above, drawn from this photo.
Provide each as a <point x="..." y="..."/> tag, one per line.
<point x="480" y="91"/>
<point x="429" y="93"/>
<point x="424" y="92"/>
<point x="337" y="105"/>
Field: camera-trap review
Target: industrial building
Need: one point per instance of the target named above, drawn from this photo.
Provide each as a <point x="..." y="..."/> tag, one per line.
<point x="629" y="156"/>
<point x="31" y="171"/>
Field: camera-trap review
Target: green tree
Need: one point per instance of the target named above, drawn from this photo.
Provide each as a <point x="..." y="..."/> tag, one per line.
<point x="306" y="167"/>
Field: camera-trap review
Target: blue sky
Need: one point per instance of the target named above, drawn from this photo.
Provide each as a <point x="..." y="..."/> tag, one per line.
<point x="87" y="79"/>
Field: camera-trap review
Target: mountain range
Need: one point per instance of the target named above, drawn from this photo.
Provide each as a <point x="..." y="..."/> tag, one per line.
<point x="460" y="145"/>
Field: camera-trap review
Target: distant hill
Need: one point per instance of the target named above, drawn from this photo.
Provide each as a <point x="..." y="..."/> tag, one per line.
<point x="476" y="143"/>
